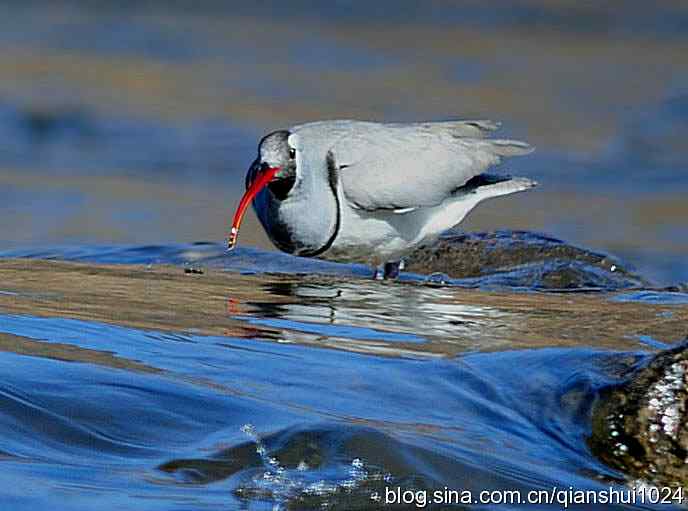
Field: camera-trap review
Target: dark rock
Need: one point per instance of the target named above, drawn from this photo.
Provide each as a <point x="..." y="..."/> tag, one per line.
<point x="641" y="426"/>
<point x="521" y="259"/>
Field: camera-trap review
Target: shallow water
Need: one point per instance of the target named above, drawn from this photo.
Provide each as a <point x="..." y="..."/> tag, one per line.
<point x="321" y="394"/>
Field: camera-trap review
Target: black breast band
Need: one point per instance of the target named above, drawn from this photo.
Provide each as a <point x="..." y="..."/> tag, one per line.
<point x="333" y="179"/>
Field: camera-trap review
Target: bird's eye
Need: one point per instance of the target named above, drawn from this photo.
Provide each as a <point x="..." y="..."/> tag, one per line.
<point x="292" y="153"/>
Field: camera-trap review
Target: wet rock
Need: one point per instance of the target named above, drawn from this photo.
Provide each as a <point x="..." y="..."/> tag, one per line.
<point x="521" y="259"/>
<point x="641" y="427"/>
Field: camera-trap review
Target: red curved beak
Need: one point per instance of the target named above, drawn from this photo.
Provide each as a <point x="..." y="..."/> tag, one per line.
<point x="261" y="180"/>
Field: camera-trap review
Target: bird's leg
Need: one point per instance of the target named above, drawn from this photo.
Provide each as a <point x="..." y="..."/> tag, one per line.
<point x="388" y="270"/>
<point x="392" y="269"/>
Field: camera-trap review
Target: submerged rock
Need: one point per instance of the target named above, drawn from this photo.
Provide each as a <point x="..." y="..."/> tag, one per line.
<point x="521" y="259"/>
<point x="641" y="427"/>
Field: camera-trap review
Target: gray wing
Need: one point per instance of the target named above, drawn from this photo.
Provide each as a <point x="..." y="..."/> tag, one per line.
<point x="405" y="166"/>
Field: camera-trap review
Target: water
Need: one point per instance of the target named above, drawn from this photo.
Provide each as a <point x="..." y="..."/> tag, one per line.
<point x="326" y="391"/>
<point x="166" y="433"/>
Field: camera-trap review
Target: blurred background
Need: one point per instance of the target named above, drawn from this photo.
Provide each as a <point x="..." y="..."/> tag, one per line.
<point x="134" y="122"/>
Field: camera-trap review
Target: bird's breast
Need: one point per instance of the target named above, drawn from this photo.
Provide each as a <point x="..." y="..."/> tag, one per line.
<point x="302" y="224"/>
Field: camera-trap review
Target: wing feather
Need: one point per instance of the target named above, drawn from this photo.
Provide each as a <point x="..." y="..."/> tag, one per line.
<point x="400" y="166"/>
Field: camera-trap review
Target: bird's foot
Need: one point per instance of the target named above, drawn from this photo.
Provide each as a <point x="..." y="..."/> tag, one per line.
<point x="389" y="270"/>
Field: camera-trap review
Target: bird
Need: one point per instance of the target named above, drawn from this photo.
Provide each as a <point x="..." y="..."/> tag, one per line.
<point x="372" y="192"/>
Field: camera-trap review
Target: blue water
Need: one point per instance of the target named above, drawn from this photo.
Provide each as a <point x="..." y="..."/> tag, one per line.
<point x="326" y="394"/>
<point x="656" y="297"/>
<point x="169" y="434"/>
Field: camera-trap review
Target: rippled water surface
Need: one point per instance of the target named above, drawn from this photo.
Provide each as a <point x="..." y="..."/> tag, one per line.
<point x="321" y="394"/>
<point x="169" y="435"/>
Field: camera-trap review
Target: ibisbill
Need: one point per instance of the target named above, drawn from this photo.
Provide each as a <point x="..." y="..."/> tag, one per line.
<point x="357" y="191"/>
